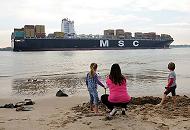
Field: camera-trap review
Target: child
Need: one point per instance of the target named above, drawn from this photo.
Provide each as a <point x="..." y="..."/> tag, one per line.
<point x="91" y="82"/>
<point x="171" y="86"/>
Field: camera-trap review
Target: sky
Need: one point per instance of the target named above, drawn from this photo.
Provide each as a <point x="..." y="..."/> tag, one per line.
<point x="93" y="16"/>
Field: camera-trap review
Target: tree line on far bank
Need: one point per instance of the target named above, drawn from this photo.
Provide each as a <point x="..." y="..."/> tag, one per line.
<point x="179" y="46"/>
<point x="6" y="49"/>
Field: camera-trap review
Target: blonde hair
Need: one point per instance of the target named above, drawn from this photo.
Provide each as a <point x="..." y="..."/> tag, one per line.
<point x="93" y="67"/>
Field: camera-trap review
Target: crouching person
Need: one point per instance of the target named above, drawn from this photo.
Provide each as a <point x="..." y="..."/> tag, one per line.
<point x="117" y="86"/>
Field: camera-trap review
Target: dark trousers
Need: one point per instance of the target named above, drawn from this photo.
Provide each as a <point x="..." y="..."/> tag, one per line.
<point x="171" y="89"/>
<point x="111" y="105"/>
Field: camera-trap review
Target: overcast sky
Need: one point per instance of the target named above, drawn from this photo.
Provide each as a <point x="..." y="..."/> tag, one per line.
<point x="93" y="16"/>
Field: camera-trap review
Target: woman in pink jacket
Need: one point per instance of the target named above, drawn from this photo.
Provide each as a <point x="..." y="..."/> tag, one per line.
<point x="117" y="85"/>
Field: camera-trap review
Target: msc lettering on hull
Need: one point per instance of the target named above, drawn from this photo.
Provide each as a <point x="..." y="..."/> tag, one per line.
<point x="104" y="43"/>
<point x="121" y="43"/>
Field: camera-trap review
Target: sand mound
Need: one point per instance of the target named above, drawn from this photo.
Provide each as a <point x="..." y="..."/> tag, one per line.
<point x="147" y="106"/>
<point x="146" y="100"/>
<point x="85" y="108"/>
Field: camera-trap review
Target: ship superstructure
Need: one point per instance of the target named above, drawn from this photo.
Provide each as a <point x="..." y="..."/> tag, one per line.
<point x="67" y="26"/>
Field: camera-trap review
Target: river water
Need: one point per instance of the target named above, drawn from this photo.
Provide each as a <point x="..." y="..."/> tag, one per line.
<point x="43" y="73"/>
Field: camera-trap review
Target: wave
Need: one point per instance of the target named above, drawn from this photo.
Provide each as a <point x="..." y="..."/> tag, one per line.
<point x="4" y="76"/>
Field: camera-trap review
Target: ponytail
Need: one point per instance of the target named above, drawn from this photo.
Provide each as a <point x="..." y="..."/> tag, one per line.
<point x="93" y="68"/>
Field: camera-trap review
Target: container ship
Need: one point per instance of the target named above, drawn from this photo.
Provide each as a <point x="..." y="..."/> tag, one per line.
<point x="34" y="38"/>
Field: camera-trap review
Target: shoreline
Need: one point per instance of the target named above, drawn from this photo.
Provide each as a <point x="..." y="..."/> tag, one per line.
<point x="58" y="113"/>
<point x="74" y="85"/>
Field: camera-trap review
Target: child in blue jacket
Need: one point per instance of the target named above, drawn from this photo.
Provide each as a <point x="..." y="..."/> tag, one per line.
<point x="91" y="82"/>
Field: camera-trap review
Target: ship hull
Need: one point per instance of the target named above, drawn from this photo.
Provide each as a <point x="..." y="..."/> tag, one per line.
<point x="87" y="44"/>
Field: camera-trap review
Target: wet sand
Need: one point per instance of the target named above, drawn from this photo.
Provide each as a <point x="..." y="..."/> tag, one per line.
<point x="53" y="113"/>
<point x="57" y="113"/>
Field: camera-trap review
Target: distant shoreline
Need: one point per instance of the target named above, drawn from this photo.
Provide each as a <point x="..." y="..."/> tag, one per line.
<point x="6" y="49"/>
<point x="179" y="46"/>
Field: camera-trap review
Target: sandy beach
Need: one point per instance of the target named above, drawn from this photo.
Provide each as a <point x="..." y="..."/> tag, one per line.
<point x="72" y="113"/>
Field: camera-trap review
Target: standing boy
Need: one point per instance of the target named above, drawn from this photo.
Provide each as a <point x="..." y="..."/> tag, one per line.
<point x="171" y="86"/>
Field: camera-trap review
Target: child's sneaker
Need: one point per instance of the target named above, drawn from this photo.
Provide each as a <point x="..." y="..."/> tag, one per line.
<point x="123" y="112"/>
<point x="113" y="112"/>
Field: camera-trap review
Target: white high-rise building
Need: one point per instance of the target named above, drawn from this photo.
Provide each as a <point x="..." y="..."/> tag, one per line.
<point x="67" y="26"/>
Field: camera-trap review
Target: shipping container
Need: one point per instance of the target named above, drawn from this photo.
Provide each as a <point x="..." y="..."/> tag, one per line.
<point x="109" y="32"/>
<point x="119" y="32"/>
<point x="29" y="33"/>
<point x="19" y="34"/>
<point x="42" y="29"/>
<point x="59" y="34"/>
<point x="152" y="35"/>
<point x="146" y="36"/>
<point x="51" y="35"/>
<point x="128" y="35"/>
<point x="40" y="35"/>
<point x="39" y="29"/>
<point x="165" y="36"/>
<point x="138" y="35"/>
<point x="28" y="26"/>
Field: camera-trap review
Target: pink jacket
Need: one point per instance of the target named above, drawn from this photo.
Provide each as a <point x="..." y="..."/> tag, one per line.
<point x="118" y="94"/>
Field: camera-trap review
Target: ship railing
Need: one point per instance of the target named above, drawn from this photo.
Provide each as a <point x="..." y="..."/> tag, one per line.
<point x="158" y="39"/>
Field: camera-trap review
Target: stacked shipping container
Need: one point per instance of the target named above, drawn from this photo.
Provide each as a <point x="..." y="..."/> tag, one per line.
<point x="19" y="32"/>
<point x="59" y="34"/>
<point x="120" y="33"/>
<point x="139" y="35"/>
<point x="150" y="35"/>
<point x="29" y="31"/>
<point x="165" y="36"/>
<point x="128" y="35"/>
<point x="40" y="31"/>
<point x="109" y="33"/>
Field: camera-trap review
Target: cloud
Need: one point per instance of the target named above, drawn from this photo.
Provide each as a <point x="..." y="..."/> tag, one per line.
<point x="92" y="16"/>
<point x="181" y="25"/>
<point x="172" y="5"/>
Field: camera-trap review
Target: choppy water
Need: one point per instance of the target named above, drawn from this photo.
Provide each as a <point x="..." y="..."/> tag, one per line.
<point x="146" y="70"/>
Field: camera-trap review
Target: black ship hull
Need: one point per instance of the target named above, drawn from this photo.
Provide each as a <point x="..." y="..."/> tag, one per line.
<point x="87" y="44"/>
